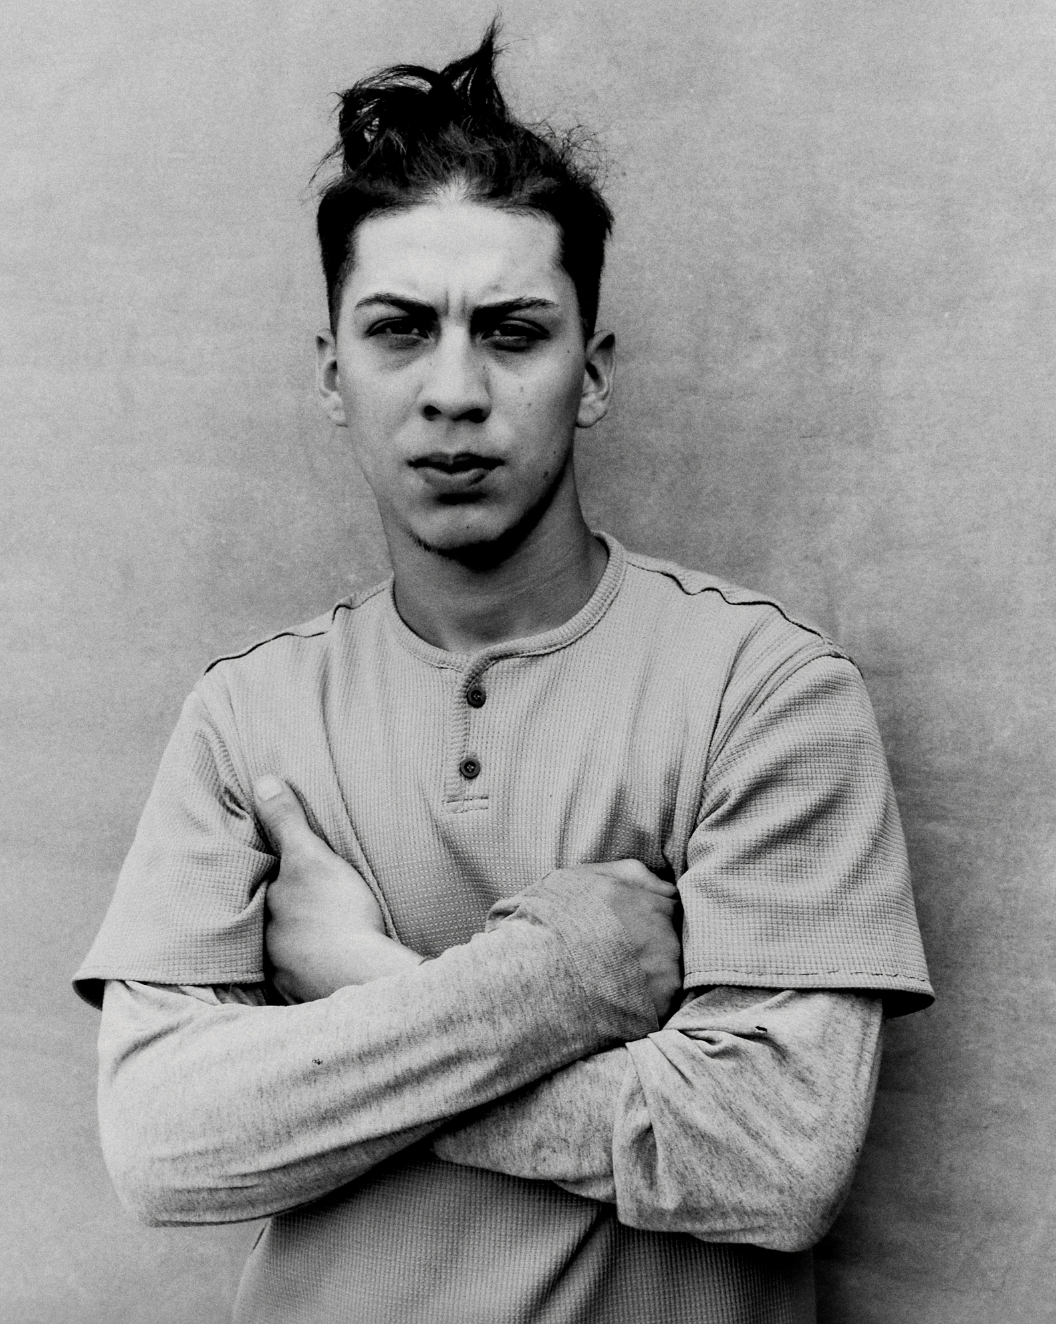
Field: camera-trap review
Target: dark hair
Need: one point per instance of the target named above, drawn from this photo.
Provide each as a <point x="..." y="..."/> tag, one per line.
<point x="406" y="133"/>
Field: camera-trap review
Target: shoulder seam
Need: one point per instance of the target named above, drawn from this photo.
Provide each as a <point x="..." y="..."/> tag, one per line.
<point x="764" y="601"/>
<point x="295" y="632"/>
<point x="724" y="591"/>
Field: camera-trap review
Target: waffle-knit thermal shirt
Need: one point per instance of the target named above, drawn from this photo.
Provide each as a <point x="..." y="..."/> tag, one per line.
<point x="675" y="720"/>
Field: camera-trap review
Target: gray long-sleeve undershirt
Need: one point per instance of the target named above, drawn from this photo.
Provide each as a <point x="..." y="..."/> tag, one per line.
<point x="533" y="1051"/>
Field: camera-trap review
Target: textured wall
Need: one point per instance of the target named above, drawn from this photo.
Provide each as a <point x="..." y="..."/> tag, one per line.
<point x="833" y="288"/>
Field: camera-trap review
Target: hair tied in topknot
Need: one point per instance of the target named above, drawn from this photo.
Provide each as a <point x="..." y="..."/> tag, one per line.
<point x="407" y="135"/>
<point x="388" y="116"/>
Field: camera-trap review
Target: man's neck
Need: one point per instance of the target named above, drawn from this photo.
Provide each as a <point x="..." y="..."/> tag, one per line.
<point x="542" y="584"/>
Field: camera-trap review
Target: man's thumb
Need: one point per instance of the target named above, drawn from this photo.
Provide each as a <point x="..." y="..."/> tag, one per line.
<point x="279" y="811"/>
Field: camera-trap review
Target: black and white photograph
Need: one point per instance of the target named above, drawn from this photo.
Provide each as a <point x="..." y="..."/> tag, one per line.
<point x="529" y="660"/>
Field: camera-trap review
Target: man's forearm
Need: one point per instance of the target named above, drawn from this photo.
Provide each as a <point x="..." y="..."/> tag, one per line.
<point x="741" y="1120"/>
<point x="215" y="1113"/>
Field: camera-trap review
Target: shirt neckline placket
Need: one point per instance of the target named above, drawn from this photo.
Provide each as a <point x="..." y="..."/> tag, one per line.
<point x="465" y="779"/>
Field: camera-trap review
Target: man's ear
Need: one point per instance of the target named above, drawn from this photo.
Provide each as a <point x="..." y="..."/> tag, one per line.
<point x="598" y="373"/>
<point x="326" y="378"/>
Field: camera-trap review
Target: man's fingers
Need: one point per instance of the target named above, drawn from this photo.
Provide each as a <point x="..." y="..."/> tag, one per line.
<point x="279" y="811"/>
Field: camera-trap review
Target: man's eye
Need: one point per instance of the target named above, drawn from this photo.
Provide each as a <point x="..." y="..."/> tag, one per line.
<point x="401" y="332"/>
<point x="514" y="335"/>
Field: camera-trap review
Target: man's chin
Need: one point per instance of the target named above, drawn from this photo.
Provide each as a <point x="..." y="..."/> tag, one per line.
<point x="490" y="538"/>
<point x="485" y="546"/>
<point x="476" y="551"/>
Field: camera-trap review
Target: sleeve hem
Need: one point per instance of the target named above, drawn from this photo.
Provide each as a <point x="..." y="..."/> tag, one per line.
<point x="88" y="982"/>
<point x="902" y="994"/>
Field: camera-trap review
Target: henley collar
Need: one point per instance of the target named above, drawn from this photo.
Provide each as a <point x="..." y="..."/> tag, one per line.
<point x="548" y="641"/>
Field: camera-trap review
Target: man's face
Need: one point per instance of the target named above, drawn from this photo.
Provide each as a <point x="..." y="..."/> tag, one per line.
<point x="460" y="369"/>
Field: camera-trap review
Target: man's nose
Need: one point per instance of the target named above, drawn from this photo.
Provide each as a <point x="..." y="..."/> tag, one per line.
<point x="456" y="384"/>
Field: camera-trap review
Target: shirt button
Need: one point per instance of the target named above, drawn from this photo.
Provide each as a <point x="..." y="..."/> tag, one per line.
<point x="476" y="697"/>
<point x="469" y="768"/>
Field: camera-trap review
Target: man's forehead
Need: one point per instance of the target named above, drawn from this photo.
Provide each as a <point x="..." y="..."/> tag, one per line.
<point x="466" y="249"/>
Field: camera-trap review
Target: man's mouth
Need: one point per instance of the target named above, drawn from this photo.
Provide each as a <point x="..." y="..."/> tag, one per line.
<point x="444" y="472"/>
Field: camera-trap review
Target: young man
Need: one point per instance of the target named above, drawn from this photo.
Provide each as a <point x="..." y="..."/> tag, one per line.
<point x="486" y="1079"/>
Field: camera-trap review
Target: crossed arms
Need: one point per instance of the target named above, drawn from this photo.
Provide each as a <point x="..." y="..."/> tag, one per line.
<point x="543" y="1048"/>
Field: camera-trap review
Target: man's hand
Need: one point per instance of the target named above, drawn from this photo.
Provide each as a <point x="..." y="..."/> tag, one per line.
<point x="647" y="908"/>
<point x="324" y="930"/>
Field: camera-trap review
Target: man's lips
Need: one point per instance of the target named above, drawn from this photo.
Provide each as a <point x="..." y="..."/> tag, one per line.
<point x="460" y="462"/>
<point x="454" y="473"/>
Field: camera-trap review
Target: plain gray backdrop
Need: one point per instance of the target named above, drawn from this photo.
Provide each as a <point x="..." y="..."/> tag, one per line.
<point x="833" y="288"/>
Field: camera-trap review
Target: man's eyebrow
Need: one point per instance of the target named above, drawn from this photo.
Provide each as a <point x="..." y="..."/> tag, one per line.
<point x="395" y="301"/>
<point x="516" y="305"/>
<point x="500" y="306"/>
